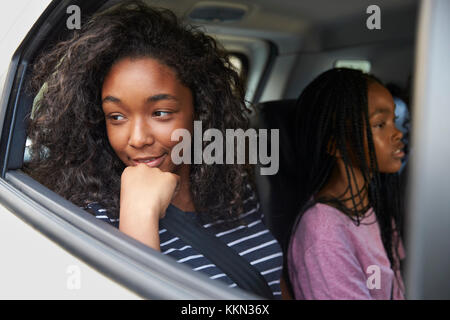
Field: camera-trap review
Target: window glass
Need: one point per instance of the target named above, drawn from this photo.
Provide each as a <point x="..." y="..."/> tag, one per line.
<point x="241" y="65"/>
<point x="362" y="65"/>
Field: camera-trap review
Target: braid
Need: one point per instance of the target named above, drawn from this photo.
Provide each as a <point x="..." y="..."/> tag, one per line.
<point x="334" y="110"/>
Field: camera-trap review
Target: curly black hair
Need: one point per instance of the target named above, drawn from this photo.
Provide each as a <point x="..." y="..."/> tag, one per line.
<point x="333" y="109"/>
<point x="71" y="153"/>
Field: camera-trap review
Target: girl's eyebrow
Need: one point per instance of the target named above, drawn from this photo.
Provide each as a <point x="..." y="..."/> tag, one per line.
<point x="157" y="97"/>
<point x="111" y="99"/>
<point x="161" y="96"/>
<point x="380" y="110"/>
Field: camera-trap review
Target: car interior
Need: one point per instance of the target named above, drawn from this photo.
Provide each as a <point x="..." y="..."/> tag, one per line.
<point x="279" y="47"/>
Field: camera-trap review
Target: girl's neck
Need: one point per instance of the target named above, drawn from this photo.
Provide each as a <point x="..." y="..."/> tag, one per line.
<point x="183" y="198"/>
<point x="338" y="187"/>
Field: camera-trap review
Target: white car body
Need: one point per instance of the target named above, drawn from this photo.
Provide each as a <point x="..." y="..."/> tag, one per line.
<point x="33" y="266"/>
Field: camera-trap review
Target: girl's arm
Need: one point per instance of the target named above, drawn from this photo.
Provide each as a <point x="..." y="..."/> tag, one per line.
<point x="144" y="197"/>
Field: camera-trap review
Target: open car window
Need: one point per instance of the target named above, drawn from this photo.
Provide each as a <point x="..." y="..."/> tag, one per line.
<point x="123" y="260"/>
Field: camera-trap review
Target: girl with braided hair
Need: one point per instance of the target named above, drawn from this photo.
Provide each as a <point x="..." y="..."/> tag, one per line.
<point x="345" y="243"/>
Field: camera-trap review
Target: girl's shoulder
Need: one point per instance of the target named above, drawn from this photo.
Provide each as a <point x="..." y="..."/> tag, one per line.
<point x="321" y="214"/>
<point x="322" y="222"/>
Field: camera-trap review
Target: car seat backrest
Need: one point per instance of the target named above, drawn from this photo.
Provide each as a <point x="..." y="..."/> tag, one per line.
<point x="279" y="193"/>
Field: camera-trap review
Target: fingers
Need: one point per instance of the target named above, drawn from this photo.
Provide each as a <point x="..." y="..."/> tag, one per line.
<point x="150" y="187"/>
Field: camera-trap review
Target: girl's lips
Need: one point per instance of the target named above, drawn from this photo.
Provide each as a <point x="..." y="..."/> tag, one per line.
<point x="398" y="154"/>
<point x="151" y="162"/>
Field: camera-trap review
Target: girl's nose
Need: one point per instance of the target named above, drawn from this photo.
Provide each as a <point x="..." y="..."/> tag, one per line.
<point x="398" y="135"/>
<point x="140" y="135"/>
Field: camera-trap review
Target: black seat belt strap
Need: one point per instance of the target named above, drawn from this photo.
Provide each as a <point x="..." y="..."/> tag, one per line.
<point x="229" y="261"/>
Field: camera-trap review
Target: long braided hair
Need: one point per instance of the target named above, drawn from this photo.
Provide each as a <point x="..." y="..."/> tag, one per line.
<point x="332" y="116"/>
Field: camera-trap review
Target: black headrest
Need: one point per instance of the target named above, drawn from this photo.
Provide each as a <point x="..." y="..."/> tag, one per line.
<point x="280" y="114"/>
<point x="282" y="207"/>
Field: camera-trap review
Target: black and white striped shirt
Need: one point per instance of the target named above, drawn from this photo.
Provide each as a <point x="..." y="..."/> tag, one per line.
<point x="251" y="240"/>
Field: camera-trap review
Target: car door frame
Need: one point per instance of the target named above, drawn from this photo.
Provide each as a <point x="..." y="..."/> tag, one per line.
<point x="124" y="260"/>
<point x="428" y="243"/>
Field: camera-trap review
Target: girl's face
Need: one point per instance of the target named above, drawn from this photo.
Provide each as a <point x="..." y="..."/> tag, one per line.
<point x="144" y="102"/>
<point x="386" y="137"/>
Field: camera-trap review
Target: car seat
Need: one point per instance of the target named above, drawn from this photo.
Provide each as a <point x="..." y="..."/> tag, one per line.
<point x="278" y="193"/>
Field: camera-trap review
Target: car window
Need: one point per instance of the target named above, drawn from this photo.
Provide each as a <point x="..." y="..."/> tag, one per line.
<point x="105" y="249"/>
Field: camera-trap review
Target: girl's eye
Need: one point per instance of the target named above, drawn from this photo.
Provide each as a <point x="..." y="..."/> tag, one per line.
<point x="116" y="117"/>
<point x="380" y="125"/>
<point x="160" y="114"/>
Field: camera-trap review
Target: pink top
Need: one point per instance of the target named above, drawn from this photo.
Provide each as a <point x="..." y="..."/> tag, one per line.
<point x="329" y="257"/>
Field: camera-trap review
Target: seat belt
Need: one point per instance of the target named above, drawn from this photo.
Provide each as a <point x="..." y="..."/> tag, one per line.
<point x="229" y="261"/>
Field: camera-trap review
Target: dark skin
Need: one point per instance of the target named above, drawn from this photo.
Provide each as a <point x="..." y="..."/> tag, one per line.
<point x="387" y="143"/>
<point x="144" y="102"/>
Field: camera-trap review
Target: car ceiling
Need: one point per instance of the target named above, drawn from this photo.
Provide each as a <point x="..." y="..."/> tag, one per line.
<point x="304" y="22"/>
<point x="291" y="15"/>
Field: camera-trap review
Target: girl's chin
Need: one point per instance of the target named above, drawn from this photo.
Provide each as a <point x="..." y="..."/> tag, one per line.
<point x="392" y="169"/>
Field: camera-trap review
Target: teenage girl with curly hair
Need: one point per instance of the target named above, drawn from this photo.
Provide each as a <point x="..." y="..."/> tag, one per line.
<point x="115" y="92"/>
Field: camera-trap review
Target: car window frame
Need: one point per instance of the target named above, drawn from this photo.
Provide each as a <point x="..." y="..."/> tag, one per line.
<point x="428" y="265"/>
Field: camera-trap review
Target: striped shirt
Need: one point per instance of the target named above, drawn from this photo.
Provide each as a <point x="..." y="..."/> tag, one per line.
<point x="251" y="240"/>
